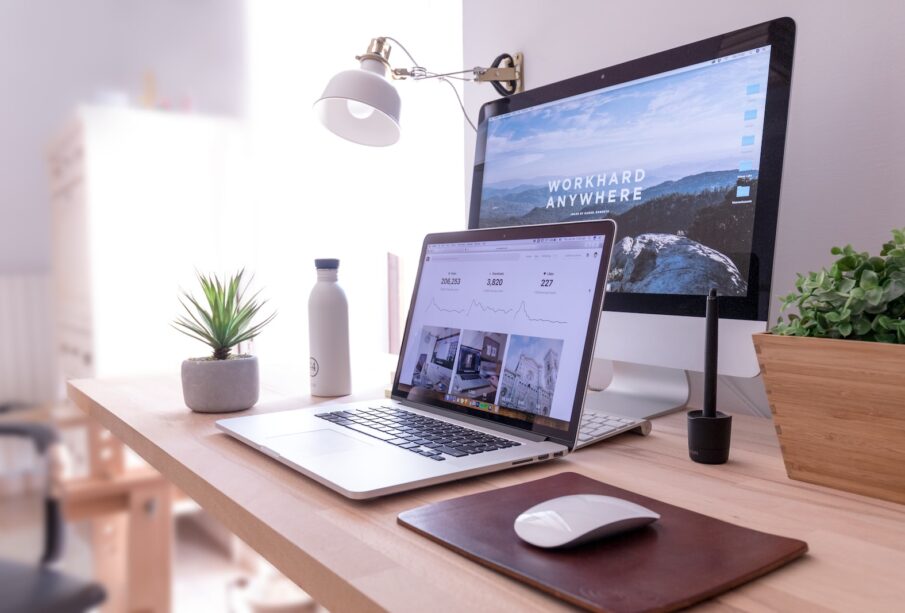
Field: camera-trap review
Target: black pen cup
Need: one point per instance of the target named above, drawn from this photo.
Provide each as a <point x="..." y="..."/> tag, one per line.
<point x="708" y="437"/>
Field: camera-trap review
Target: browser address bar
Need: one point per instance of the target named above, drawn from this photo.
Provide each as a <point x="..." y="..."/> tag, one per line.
<point x="489" y="256"/>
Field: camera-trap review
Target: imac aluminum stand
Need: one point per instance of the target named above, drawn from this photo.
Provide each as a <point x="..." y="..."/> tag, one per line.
<point x="641" y="391"/>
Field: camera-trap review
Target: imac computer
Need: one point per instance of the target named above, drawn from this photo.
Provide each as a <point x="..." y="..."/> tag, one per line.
<point x="684" y="150"/>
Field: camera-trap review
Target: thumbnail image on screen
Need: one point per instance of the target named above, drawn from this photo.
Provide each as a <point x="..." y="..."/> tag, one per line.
<point x="529" y="376"/>
<point x="672" y="158"/>
<point x="477" y="374"/>
<point x="436" y="355"/>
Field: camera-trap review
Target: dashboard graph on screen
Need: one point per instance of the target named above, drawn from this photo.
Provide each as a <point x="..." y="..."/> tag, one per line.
<point x="520" y="311"/>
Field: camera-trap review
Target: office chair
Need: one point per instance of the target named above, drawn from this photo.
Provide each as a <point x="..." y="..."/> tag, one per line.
<point x="40" y="589"/>
<point x="9" y="407"/>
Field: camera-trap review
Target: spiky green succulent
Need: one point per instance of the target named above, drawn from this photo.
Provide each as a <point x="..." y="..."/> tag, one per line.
<point x="227" y="319"/>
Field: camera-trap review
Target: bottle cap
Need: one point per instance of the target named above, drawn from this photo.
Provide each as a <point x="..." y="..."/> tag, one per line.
<point x="326" y="263"/>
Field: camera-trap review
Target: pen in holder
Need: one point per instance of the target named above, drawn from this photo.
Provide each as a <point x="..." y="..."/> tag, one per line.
<point x="709" y="431"/>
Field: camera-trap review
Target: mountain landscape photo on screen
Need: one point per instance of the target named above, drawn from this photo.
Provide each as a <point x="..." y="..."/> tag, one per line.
<point x="673" y="160"/>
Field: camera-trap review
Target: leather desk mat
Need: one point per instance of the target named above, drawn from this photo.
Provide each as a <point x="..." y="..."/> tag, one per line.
<point x="682" y="559"/>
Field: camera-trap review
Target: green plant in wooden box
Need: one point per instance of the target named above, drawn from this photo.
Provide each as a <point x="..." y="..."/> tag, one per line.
<point x="837" y="402"/>
<point x="860" y="297"/>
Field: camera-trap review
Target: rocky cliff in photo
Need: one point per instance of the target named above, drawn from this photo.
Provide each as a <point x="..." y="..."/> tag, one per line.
<point x="669" y="264"/>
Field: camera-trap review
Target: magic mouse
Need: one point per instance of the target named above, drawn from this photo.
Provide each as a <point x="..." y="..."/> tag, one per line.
<point x="573" y="520"/>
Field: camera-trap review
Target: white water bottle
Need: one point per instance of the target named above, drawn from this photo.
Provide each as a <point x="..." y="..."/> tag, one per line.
<point x="328" y="333"/>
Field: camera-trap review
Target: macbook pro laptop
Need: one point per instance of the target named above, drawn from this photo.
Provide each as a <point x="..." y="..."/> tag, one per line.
<point x="519" y="308"/>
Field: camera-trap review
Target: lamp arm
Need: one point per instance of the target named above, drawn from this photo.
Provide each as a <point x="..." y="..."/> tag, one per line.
<point x="506" y="80"/>
<point x="495" y="73"/>
<point x="418" y="73"/>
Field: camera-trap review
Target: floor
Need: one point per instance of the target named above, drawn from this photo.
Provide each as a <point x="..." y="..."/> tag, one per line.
<point x="202" y="569"/>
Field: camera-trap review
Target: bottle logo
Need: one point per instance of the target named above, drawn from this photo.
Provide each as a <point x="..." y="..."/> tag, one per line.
<point x="314" y="367"/>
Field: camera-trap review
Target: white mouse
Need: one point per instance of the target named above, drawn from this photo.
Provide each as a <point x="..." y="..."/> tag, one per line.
<point x="573" y="520"/>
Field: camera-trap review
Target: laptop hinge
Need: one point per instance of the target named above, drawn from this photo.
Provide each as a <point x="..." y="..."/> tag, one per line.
<point x="477" y="421"/>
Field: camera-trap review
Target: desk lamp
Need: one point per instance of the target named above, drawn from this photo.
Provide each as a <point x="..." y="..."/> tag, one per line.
<point x="363" y="106"/>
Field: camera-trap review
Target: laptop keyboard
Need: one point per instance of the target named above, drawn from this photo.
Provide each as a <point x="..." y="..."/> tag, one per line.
<point x="431" y="438"/>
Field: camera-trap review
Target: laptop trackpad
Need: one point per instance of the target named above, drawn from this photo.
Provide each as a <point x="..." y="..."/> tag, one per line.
<point x="313" y="443"/>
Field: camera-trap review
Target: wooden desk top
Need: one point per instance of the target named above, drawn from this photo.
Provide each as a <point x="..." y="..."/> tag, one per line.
<point x="352" y="556"/>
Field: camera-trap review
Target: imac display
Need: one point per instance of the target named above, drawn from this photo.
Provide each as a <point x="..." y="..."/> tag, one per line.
<point x="672" y="158"/>
<point x="683" y="149"/>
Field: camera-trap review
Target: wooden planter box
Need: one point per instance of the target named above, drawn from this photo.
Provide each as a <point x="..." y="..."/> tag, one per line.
<point x="839" y="410"/>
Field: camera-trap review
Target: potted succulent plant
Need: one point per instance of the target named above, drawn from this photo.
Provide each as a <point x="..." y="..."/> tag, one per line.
<point x="835" y="373"/>
<point x="221" y="382"/>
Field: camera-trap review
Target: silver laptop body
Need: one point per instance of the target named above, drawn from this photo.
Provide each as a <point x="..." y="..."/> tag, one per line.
<point x="492" y="372"/>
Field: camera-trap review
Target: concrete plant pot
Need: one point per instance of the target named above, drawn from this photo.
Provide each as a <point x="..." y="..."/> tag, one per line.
<point x="220" y="386"/>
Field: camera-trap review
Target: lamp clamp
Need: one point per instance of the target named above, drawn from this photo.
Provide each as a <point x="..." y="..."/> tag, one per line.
<point x="506" y="74"/>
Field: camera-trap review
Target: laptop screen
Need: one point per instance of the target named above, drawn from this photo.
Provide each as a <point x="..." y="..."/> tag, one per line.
<point x="499" y="328"/>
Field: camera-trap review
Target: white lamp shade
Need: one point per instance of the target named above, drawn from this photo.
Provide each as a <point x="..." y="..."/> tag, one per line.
<point x="361" y="106"/>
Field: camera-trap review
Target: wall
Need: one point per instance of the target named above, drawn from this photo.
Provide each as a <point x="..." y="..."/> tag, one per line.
<point x="846" y="137"/>
<point x="26" y="367"/>
<point x="314" y="195"/>
<point x="55" y="55"/>
<point x="317" y="195"/>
